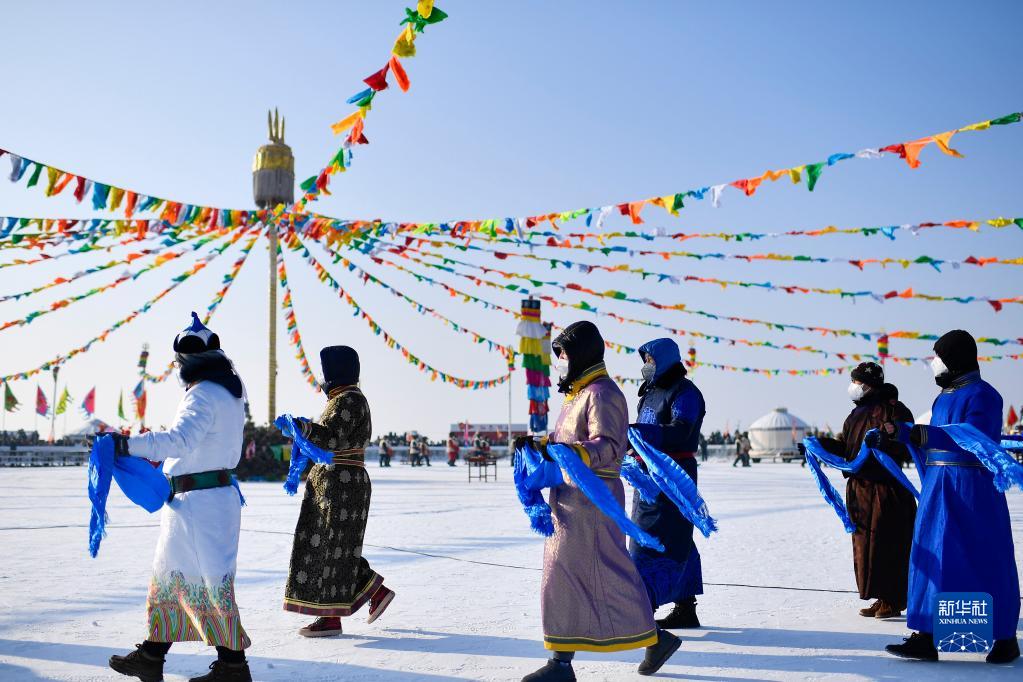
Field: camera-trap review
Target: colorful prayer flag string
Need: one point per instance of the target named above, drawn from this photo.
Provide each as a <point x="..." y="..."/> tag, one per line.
<point x="394" y="344"/>
<point x="131" y="317"/>
<point x="674" y="202"/>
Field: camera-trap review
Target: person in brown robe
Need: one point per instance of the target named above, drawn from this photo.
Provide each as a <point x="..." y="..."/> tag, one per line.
<point x="591" y="595"/>
<point x="883" y="510"/>
<point x="329" y="576"/>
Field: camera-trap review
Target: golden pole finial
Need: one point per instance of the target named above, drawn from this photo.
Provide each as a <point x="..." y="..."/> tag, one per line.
<point x="282" y="129"/>
<point x="269" y="126"/>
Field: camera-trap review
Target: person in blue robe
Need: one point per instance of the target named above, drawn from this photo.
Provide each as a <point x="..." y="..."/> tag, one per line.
<point x="671" y="411"/>
<point x="962" y="540"/>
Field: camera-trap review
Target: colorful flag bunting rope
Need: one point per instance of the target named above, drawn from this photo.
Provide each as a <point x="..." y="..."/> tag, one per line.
<point x="880" y="297"/>
<point x="162" y="259"/>
<point x="211" y="309"/>
<point x="92" y="247"/>
<point x="674" y="202"/>
<point x="525" y="238"/>
<point x="353" y="124"/>
<point x="295" y="244"/>
<point x="586" y="268"/>
<point x="774" y="325"/>
<point x="291" y="322"/>
<point x="162" y="256"/>
<point x="131" y="317"/>
<point x="105" y="196"/>
<point x="392" y="343"/>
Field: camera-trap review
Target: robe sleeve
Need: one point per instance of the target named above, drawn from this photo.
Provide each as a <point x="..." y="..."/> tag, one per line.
<point x="607" y="421"/>
<point x="339" y="418"/>
<point x="194" y="418"/>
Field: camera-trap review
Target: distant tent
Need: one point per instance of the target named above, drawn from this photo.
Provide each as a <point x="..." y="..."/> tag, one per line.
<point x="89" y="428"/>
<point x="776" y="434"/>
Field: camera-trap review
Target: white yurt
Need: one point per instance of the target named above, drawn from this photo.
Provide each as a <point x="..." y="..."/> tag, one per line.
<point x="776" y="434"/>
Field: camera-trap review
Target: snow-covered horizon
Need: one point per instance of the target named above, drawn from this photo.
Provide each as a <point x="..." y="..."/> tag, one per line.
<point x="465" y="567"/>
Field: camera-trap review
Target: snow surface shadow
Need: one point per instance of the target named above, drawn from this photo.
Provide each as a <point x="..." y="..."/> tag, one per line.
<point x="263" y="668"/>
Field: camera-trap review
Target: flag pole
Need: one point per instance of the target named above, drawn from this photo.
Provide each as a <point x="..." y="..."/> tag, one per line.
<point x="53" y="406"/>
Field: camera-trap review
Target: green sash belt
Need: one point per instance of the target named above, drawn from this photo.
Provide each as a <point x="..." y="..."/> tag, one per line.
<point x="201" y="480"/>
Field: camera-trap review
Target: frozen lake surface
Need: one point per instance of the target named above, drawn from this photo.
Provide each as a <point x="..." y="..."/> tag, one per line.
<point x="466" y="571"/>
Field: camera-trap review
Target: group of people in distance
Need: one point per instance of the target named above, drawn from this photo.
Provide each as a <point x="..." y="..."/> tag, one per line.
<point x="596" y="593"/>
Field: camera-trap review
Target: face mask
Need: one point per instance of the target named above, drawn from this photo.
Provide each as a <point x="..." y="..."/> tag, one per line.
<point x="648" y="371"/>
<point x="856" y="391"/>
<point x="942" y="376"/>
<point x="561" y="366"/>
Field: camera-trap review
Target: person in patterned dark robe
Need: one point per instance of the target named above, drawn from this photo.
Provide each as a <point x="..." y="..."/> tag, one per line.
<point x="329" y="578"/>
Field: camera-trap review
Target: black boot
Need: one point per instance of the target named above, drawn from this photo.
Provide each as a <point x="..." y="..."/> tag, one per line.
<point x="682" y="617"/>
<point x="658" y="654"/>
<point x="145" y="666"/>
<point x="221" y="671"/>
<point x="918" y="646"/>
<point x="1004" y="651"/>
<point x="553" y="671"/>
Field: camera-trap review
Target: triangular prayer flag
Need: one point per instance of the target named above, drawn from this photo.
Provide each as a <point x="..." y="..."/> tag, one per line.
<point x="120" y="405"/>
<point x="400" y="77"/>
<point x="42" y="406"/>
<point x="89" y="404"/>
<point x="10" y="402"/>
<point x="62" y="404"/>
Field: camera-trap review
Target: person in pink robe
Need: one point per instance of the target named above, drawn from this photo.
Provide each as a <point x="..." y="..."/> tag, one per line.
<point x="592" y="598"/>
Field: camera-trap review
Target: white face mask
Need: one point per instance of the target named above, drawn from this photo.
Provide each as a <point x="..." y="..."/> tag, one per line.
<point x="856" y="391"/>
<point x="938" y="367"/>
<point x="561" y="365"/>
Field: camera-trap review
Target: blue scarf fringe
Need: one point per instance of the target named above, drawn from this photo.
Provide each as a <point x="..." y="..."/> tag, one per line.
<point x="140" y="481"/>
<point x="302" y="451"/>
<point x="815" y="454"/>
<point x="640" y="480"/>
<point x="532" y="473"/>
<point x="674" y="482"/>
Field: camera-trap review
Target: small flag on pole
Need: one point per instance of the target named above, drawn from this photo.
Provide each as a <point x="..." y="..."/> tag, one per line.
<point x="89" y="404"/>
<point x="120" y="405"/>
<point x="42" y="406"/>
<point x="10" y="402"/>
<point x="140" y="400"/>
<point x="1012" y="418"/>
<point x="65" y="400"/>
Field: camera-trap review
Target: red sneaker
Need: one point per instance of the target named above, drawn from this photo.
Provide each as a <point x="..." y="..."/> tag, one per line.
<point x="379" y="602"/>
<point x="322" y="627"/>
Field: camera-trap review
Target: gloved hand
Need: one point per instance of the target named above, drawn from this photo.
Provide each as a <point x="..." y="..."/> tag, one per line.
<point x="521" y="441"/>
<point x="873" y="439"/>
<point x="305" y="426"/>
<point x="918" y="435"/>
<point x="120" y="443"/>
<point x="542" y="447"/>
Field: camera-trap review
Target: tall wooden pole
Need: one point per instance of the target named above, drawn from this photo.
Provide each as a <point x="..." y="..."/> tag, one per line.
<point x="272" y="354"/>
<point x="273" y="184"/>
<point x="53" y="406"/>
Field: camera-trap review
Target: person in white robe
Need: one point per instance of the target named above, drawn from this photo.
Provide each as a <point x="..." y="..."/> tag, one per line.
<point x="191" y="594"/>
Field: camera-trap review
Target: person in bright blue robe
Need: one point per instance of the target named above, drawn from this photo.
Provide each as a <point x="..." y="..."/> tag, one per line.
<point x="671" y="411"/>
<point x="962" y="541"/>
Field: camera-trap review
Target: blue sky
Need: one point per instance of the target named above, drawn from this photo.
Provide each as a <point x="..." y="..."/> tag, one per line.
<point x="523" y="108"/>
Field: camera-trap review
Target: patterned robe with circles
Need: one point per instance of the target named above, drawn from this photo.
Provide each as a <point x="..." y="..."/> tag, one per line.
<point x="328" y="575"/>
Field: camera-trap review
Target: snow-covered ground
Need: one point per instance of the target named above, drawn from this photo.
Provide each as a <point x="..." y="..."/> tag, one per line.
<point x="465" y="567"/>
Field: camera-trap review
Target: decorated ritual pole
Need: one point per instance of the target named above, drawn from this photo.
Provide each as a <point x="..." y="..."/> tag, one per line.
<point x="273" y="183"/>
<point x="535" y="348"/>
